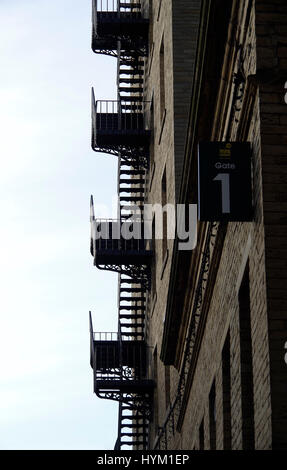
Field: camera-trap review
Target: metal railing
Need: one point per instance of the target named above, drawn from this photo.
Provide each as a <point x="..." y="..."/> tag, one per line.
<point x="129" y="114"/>
<point x="117" y="359"/>
<point x="115" y="235"/>
<point x="92" y="350"/>
<point x="103" y="6"/>
<point x="106" y="5"/>
<point x="105" y="336"/>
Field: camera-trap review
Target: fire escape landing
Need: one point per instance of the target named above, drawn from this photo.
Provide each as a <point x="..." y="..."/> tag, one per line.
<point x="120" y="374"/>
<point x="114" y="20"/>
<point x="122" y="128"/>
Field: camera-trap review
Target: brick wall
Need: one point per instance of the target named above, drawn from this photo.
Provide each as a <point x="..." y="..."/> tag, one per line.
<point x="263" y="242"/>
<point x="172" y="22"/>
<point x="255" y="112"/>
<point x="243" y="241"/>
<point x="271" y="28"/>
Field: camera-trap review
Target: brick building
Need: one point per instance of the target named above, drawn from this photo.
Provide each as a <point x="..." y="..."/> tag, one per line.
<point x="198" y="359"/>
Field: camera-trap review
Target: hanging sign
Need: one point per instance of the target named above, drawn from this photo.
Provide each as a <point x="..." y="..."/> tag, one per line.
<point x="224" y="181"/>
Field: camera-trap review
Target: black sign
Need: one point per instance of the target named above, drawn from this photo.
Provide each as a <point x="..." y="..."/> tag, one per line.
<point x="224" y="181"/>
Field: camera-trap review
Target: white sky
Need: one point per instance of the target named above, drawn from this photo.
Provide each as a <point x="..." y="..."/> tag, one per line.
<point x="47" y="279"/>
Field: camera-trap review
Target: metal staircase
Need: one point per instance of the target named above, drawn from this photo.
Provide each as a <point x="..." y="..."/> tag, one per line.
<point x="122" y="128"/>
<point x="131" y="184"/>
<point x="133" y="423"/>
<point x="132" y="304"/>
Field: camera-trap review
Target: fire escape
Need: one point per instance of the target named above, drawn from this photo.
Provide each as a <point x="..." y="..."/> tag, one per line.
<point x="121" y="128"/>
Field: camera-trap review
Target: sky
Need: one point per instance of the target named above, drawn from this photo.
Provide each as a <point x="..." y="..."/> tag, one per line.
<point x="48" y="282"/>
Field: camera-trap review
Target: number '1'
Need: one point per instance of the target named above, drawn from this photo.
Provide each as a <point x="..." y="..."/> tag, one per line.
<point x="224" y="178"/>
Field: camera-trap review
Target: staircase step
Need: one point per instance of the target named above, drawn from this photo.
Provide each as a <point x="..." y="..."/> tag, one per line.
<point x="132" y="99"/>
<point x="133" y="62"/>
<point x="131" y="181"/>
<point x="128" y="280"/>
<point x="137" y="422"/>
<point x="131" y="72"/>
<point x="133" y="172"/>
<point x="136" y="283"/>
<point x="133" y="426"/>
<point x="132" y="317"/>
<point x="134" y="443"/>
<point x="131" y="66"/>
<point x="132" y="190"/>
<point x="131" y="325"/>
<point x="131" y="107"/>
<point x="132" y="81"/>
<point x="132" y="417"/>
<point x="134" y="420"/>
<point x="126" y="89"/>
<point x="131" y="58"/>
<point x="131" y="6"/>
<point x="136" y="208"/>
<point x="132" y="299"/>
<point x="132" y="333"/>
<point x="127" y="216"/>
<point x="132" y="434"/>
<point x="131" y="307"/>
<point x="132" y="290"/>
<point x="131" y="198"/>
<point x="130" y="208"/>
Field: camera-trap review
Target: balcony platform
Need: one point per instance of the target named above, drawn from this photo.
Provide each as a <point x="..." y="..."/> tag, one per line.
<point x="124" y="386"/>
<point x="113" y="22"/>
<point x="116" y="125"/>
<point x="110" y="355"/>
<point x="122" y="24"/>
<point x="108" y="250"/>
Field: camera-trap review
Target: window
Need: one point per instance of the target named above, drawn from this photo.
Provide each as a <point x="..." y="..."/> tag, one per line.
<point x="150" y="22"/>
<point x="155" y="401"/>
<point x="164" y="218"/>
<point x="167" y="386"/>
<point x="226" y="392"/>
<point x="212" y="417"/>
<point x="152" y="124"/>
<point x="247" y="399"/>
<point x="162" y="79"/>
<point x="159" y="9"/>
<point x="153" y="268"/>
<point x="201" y="435"/>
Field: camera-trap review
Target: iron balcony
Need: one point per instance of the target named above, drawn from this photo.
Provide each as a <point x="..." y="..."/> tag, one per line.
<point x="120" y="127"/>
<point x="114" y="21"/>
<point x="109" y="250"/>
<point x="120" y="366"/>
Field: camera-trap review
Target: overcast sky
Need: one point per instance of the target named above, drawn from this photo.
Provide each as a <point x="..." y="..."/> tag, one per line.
<point x="47" y="279"/>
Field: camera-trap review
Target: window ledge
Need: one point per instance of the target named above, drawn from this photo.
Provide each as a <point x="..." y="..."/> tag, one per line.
<point x="151" y="175"/>
<point x="164" y="264"/>
<point x="162" y="126"/>
<point x="150" y="58"/>
<point x="153" y="302"/>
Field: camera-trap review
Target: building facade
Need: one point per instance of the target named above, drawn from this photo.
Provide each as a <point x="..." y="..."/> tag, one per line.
<point x="198" y="361"/>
